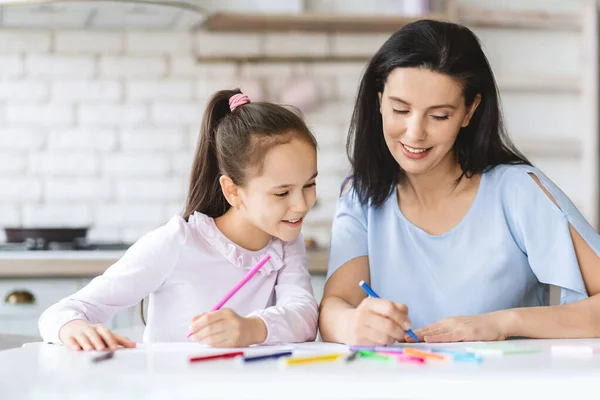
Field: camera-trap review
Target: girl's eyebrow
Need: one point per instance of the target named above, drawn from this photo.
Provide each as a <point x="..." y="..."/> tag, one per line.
<point x="398" y="99"/>
<point x="286" y="186"/>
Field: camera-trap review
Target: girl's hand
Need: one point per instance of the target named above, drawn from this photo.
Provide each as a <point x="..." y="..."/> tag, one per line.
<point x="483" y="327"/>
<point x="377" y="322"/>
<point x="81" y="335"/>
<point x="224" y="328"/>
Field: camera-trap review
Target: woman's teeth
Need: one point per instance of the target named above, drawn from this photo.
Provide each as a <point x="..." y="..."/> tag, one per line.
<point x="292" y="221"/>
<point x="413" y="150"/>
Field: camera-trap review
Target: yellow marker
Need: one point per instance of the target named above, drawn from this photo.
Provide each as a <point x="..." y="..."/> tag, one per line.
<point x="312" y="359"/>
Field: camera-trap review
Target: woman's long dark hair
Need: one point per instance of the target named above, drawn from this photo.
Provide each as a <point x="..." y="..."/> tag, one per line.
<point x="441" y="47"/>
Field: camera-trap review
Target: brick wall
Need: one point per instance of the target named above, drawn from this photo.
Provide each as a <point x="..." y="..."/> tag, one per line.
<point x="99" y="128"/>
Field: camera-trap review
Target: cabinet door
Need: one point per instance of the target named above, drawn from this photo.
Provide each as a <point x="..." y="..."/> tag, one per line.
<point x="24" y="300"/>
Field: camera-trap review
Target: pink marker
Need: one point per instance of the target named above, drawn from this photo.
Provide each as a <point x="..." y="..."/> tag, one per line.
<point x="237" y="287"/>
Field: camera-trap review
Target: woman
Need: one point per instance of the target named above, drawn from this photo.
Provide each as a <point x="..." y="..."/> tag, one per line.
<point x="453" y="228"/>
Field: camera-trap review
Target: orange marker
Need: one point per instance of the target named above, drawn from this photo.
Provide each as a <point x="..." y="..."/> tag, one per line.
<point x="409" y="351"/>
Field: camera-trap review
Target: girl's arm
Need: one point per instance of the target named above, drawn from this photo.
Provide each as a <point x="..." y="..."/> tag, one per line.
<point x="294" y="317"/>
<point x="142" y="269"/>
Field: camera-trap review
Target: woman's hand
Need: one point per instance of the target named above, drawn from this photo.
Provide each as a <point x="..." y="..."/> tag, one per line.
<point x="377" y="322"/>
<point x="483" y="327"/>
<point x="81" y="335"/>
<point x="225" y="328"/>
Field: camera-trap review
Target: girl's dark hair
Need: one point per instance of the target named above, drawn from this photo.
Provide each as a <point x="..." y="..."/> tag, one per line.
<point x="441" y="47"/>
<point x="233" y="143"/>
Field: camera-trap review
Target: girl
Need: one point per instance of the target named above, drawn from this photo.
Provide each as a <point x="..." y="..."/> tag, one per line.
<point x="444" y="217"/>
<point x="252" y="184"/>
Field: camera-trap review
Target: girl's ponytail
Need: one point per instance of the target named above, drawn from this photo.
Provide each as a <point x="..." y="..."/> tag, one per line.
<point x="205" y="193"/>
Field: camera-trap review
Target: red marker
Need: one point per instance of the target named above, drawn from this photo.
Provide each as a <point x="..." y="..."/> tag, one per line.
<point x="217" y="356"/>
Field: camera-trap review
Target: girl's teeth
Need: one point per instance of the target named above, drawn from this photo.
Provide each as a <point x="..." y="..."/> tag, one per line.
<point x="416" y="151"/>
<point x="293" y="221"/>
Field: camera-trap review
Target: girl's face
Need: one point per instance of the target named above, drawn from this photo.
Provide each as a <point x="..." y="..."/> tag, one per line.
<point x="277" y="200"/>
<point x="422" y="112"/>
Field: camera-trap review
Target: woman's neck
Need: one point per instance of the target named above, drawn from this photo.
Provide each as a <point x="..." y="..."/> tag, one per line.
<point x="433" y="187"/>
<point x="240" y="231"/>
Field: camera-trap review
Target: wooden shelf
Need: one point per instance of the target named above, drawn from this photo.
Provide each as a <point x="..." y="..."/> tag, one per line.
<point x="308" y="22"/>
<point x="519" y="19"/>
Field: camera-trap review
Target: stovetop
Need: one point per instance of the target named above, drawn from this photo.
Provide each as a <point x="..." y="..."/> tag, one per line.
<point x="78" y="245"/>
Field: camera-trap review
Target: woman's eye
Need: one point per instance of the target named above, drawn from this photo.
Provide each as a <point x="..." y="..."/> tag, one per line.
<point x="403" y="112"/>
<point x="441" y="117"/>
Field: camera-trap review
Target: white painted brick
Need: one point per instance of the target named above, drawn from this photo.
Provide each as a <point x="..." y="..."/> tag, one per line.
<point x="181" y="163"/>
<point x="276" y="87"/>
<point x="30" y="90"/>
<point x="47" y="114"/>
<point x="174" y="209"/>
<point x="23" y="189"/>
<point x="328" y="135"/>
<point x="21" y="138"/>
<point x="149" y="190"/>
<point x="82" y="139"/>
<point x="332" y="112"/>
<point x="64" y="215"/>
<point x="86" y="90"/>
<point x="156" y="43"/>
<point x="135" y="165"/>
<point x="268" y="70"/>
<point x="176" y="113"/>
<point x="25" y="42"/>
<point x="347" y="88"/>
<point x="363" y="44"/>
<point x="143" y="214"/>
<point x="126" y="114"/>
<point x="350" y="69"/>
<point x="11" y="65"/>
<point x="147" y="138"/>
<point x="205" y="88"/>
<point x="131" y="235"/>
<point x="132" y="67"/>
<point x="174" y="89"/>
<point x="10" y="215"/>
<point x="103" y="234"/>
<point x="322" y="213"/>
<point x="84" y="42"/>
<point x="333" y="160"/>
<point x="329" y="185"/>
<point x="68" y="190"/>
<point x="227" y="44"/>
<point x="64" y="164"/>
<point x="188" y="66"/>
<point x="296" y="44"/>
<point x="12" y="163"/>
<point x="60" y="66"/>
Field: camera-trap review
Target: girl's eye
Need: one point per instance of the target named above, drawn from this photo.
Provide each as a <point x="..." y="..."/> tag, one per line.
<point x="281" y="195"/>
<point x="310" y="185"/>
<point x="403" y="112"/>
<point x="441" y="117"/>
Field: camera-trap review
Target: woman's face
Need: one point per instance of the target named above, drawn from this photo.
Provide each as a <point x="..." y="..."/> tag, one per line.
<point x="422" y="112"/>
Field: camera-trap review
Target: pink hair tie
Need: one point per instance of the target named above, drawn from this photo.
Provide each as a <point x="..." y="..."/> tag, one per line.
<point x="237" y="100"/>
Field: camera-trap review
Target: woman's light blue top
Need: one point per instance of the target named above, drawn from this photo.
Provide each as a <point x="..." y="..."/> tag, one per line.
<point x="512" y="243"/>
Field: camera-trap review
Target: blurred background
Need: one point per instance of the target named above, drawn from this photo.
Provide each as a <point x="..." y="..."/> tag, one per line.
<point x="101" y="102"/>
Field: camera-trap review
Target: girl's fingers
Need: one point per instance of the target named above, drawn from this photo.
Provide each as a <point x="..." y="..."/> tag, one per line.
<point x="96" y="340"/>
<point x="125" y="342"/>
<point x="108" y="337"/>
<point x="84" y="342"/>
<point x="72" y="344"/>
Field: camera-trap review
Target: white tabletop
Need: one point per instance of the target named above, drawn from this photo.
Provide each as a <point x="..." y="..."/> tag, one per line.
<point x="160" y="371"/>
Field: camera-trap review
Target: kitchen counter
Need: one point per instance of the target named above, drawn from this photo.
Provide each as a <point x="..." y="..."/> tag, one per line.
<point x="160" y="371"/>
<point x="30" y="264"/>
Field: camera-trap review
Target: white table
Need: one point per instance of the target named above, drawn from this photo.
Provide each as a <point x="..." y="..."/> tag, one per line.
<point x="162" y="371"/>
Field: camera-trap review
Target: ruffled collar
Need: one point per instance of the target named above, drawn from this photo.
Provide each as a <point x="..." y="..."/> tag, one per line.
<point x="236" y="255"/>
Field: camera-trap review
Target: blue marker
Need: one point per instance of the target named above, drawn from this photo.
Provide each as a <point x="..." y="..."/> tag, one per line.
<point x="371" y="293"/>
<point x="268" y="356"/>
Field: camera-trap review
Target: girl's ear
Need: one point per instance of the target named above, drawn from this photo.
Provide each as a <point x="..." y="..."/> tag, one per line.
<point x="230" y="191"/>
